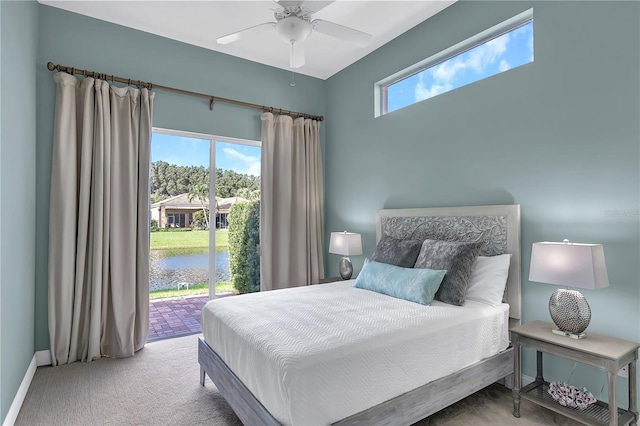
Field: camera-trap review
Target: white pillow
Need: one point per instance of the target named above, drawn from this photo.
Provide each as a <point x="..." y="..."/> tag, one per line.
<point x="488" y="279"/>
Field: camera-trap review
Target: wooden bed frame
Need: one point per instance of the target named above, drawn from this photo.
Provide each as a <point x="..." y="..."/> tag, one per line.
<point x="499" y="228"/>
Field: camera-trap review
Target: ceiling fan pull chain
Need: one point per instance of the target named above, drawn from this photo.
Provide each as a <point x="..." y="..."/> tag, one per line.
<point x="293" y="80"/>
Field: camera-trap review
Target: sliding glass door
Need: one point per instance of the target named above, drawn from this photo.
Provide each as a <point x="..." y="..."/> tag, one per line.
<point x="188" y="218"/>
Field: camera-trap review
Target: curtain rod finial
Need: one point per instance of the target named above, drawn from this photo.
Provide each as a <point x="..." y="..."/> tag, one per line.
<point x="51" y="66"/>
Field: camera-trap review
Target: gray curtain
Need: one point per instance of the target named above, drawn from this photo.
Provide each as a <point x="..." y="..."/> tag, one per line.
<point x="99" y="220"/>
<point x="291" y="203"/>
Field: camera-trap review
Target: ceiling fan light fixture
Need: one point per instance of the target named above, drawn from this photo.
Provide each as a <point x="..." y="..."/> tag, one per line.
<point x="293" y="29"/>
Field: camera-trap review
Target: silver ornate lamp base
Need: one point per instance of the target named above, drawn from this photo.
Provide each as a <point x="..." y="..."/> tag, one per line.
<point x="570" y="312"/>
<point x="345" y="268"/>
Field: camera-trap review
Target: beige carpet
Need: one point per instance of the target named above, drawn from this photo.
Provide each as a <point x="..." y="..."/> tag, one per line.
<point x="160" y="386"/>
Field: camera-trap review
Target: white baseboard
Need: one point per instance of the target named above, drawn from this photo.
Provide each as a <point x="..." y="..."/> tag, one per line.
<point x="12" y="415"/>
<point x="43" y="358"/>
<point x="527" y="380"/>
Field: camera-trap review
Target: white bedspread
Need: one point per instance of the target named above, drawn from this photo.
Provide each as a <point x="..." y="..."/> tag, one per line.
<point x="317" y="354"/>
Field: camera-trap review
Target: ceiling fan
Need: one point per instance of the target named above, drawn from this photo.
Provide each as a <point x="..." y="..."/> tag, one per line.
<point x="294" y="24"/>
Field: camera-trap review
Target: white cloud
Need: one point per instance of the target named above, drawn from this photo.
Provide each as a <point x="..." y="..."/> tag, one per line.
<point x="250" y="164"/>
<point x="504" y="66"/>
<point x="254" y="169"/>
<point x="477" y="60"/>
<point x="488" y="53"/>
<point x="422" y="92"/>
<point x="448" y="70"/>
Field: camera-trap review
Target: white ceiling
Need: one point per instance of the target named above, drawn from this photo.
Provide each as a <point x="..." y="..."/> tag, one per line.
<point x="200" y="22"/>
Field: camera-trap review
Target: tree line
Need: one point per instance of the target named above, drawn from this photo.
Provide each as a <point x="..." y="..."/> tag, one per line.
<point x="168" y="180"/>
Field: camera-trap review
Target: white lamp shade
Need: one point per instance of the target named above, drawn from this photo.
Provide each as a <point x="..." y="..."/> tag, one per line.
<point x="345" y="243"/>
<point x="568" y="264"/>
<point x="293" y="29"/>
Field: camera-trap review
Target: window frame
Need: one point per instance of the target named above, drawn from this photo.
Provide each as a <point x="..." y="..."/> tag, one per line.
<point x="381" y="87"/>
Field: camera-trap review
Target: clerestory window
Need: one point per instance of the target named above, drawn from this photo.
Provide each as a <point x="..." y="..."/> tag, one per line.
<point x="498" y="49"/>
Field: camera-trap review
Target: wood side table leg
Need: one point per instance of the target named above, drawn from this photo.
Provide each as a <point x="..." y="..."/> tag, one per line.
<point x="202" y="374"/>
<point x="633" y="390"/>
<point x="613" y="405"/>
<point x="517" y="377"/>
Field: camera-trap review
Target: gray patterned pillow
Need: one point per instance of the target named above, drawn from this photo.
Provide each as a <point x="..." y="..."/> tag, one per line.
<point x="397" y="252"/>
<point x="458" y="259"/>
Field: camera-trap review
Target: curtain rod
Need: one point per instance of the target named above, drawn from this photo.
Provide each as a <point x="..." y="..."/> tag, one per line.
<point x="212" y="99"/>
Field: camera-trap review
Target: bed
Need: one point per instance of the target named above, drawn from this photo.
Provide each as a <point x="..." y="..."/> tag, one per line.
<point x="334" y="354"/>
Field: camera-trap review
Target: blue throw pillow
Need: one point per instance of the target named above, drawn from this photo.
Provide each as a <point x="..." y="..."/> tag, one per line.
<point x="414" y="285"/>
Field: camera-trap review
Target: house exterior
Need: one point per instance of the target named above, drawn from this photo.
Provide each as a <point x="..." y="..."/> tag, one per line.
<point x="178" y="211"/>
<point x="222" y="210"/>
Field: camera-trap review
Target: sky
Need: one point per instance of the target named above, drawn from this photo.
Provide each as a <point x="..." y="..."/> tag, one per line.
<point x="501" y="54"/>
<point x="184" y="151"/>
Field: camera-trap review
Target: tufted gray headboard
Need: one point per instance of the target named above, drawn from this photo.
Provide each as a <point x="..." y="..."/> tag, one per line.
<point x="498" y="227"/>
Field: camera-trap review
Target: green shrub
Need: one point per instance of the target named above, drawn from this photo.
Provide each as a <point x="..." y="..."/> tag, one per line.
<point x="244" y="246"/>
<point x="154" y="225"/>
<point x="199" y="219"/>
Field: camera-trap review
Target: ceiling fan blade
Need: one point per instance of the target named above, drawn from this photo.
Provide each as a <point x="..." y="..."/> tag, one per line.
<point x="341" y="32"/>
<point x="239" y="35"/>
<point x="297" y="55"/>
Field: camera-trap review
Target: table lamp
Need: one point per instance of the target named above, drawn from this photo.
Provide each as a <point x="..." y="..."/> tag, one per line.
<point x="346" y="244"/>
<point x="571" y="265"/>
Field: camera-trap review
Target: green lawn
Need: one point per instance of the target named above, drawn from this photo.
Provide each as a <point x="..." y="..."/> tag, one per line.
<point x="221" y="287"/>
<point x="189" y="239"/>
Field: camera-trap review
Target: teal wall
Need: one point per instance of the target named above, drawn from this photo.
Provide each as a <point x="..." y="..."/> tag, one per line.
<point x="559" y="136"/>
<point x="18" y="46"/>
<point x="74" y="40"/>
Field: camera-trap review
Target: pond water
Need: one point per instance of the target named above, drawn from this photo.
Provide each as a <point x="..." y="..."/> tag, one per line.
<point x="167" y="268"/>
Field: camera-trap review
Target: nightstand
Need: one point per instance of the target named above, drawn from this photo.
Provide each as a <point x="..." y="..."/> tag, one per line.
<point x="605" y="353"/>
<point x="329" y="280"/>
